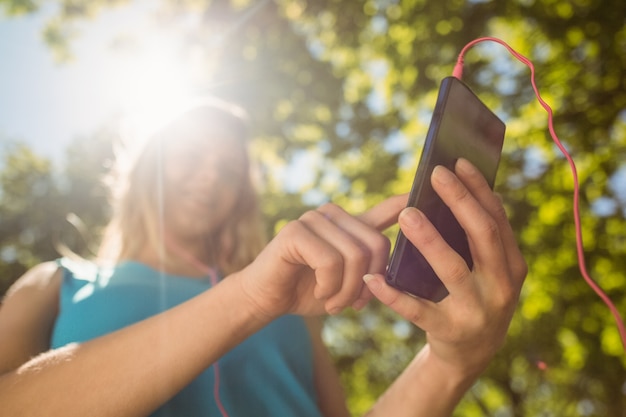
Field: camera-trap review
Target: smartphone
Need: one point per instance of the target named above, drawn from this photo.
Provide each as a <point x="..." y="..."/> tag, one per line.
<point x="462" y="126"/>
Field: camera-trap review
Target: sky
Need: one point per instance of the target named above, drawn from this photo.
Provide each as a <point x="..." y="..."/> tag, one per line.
<point x="46" y="103"/>
<point x="42" y="102"/>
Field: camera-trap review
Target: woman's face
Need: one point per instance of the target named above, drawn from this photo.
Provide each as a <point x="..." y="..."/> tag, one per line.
<point x="203" y="176"/>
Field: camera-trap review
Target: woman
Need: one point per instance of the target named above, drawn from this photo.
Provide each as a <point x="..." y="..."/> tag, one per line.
<point x="193" y="316"/>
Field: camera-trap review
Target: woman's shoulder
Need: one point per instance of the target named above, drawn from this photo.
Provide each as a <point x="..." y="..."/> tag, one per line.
<point x="33" y="298"/>
<point x="40" y="279"/>
<point x="27" y="314"/>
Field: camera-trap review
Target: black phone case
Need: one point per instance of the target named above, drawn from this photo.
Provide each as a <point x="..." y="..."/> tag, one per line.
<point x="462" y="126"/>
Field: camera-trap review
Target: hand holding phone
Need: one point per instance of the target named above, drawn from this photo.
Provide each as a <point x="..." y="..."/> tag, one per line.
<point x="462" y="126"/>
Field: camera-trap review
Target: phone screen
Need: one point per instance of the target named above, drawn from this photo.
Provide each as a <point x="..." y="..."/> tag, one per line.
<point x="461" y="127"/>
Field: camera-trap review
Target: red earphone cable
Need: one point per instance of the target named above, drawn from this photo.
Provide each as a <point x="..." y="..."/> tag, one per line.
<point x="213" y="277"/>
<point x="458" y="72"/>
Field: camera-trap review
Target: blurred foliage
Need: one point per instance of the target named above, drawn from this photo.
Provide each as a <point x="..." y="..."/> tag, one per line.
<point x="28" y="196"/>
<point x="45" y="210"/>
<point x="346" y="89"/>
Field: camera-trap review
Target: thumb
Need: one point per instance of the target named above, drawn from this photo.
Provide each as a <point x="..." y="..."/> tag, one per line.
<point x="379" y="288"/>
<point x="410" y="308"/>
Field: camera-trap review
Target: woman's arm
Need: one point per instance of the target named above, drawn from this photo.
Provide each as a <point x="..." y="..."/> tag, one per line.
<point x="129" y="372"/>
<point x="464" y="330"/>
<point x="314" y="264"/>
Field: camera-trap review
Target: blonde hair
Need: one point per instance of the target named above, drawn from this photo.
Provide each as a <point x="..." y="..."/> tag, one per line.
<point x="137" y="190"/>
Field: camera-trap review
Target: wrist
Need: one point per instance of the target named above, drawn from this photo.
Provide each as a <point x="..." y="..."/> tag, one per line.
<point x="457" y="378"/>
<point x="429" y="386"/>
<point x="252" y="300"/>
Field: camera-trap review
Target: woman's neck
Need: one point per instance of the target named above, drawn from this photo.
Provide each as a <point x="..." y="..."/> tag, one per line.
<point x="179" y="259"/>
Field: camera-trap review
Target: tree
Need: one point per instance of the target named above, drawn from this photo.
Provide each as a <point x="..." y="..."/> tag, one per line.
<point x="45" y="212"/>
<point x="352" y="85"/>
<point x="27" y="192"/>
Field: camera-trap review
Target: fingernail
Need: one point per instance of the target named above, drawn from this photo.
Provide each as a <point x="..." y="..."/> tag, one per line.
<point x="442" y="175"/>
<point x="465" y="166"/>
<point x="371" y="283"/>
<point x="412" y="217"/>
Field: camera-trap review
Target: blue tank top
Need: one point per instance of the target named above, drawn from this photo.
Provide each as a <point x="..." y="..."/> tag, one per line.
<point x="268" y="374"/>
